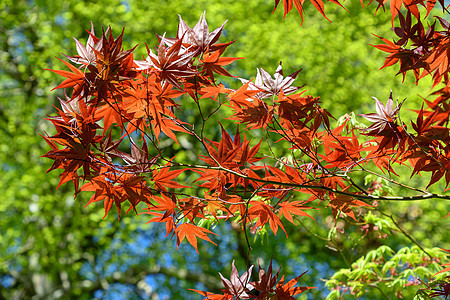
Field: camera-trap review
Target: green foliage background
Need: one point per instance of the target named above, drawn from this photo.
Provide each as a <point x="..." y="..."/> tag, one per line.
<point x="53" y="247"/>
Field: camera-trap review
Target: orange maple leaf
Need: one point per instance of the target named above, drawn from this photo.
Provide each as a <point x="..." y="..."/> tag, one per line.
<point x="287" y="209"/>
<point x="192" y="232"/>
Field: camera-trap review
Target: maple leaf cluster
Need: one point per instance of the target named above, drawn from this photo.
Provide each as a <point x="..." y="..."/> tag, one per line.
<point x="424" y="52"/>
<point x="267" y="287"/>
<point x="116" y="111"/>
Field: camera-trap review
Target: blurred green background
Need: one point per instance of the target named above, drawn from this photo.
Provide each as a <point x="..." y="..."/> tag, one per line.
<point x="52" y="247"/>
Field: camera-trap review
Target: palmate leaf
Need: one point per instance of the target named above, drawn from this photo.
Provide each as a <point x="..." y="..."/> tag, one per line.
<point x="385" y="117"/>
<point x="171" y="63"/>
<point x="118" y="188"/>
<point x="212" y="63"/>
<point x="396" y="5"/>
<point x="438" y="166"/>
<point x="344" y="203"/>
<point x="76" y="132"/>
<point x="212" y="296"/>
<point x="163" y="178"/>
<point x="298" y="4"/>
<point x="161" y="218"/>
<point x="232" y="154"/>
<point x="191" y="232"/>
<point x="256" y="113"/>
<point x="287" y="209"/>
<point x="267" y="281"/>
<point x="237" y="287"/>
<point x="263" y="213"/>
<point x="438" y="60"/>
<point x="162" y="123"/>
<point x="341" y="151"/>
<point x="75" y="79"/>
<point x="86" y="54"/>
<point x="198" y="36"/>
<point x="214" y="91"/>
<point x="165" y="204"/>
<point x="410" y="5"/>
<point x="410" y="59"/>
<point x="153" y="106"/>
<point x="267" y="286"/>
<point x="272" y="86"/>
<point x="288" y="290"/>
<point x="249" y="109"/>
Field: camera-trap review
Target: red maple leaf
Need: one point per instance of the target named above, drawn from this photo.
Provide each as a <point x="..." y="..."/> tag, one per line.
<point x="198" y="36"/>
<point x="286" y="291"/>
<point x="238" y="286"/>
<point x="344" y="203"/>
<point x="287" y="209"/>
<point x="171" y="63"/>
<point x="269" y="86"/>
<point x="191" y="232"/>
<point x="113" y="188"/>
<point x="75" y="79"/>
<point x="263" y="213"/>
<point x="163" y="178"/>
<point x="298" y="4"/>
<point x="213" y="62"/>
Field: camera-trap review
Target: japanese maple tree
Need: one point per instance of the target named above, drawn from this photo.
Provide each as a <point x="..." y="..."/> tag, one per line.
<point x="117" y="110"/>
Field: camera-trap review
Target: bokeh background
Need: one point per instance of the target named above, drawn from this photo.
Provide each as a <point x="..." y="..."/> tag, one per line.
<point x="53" y="247"/>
